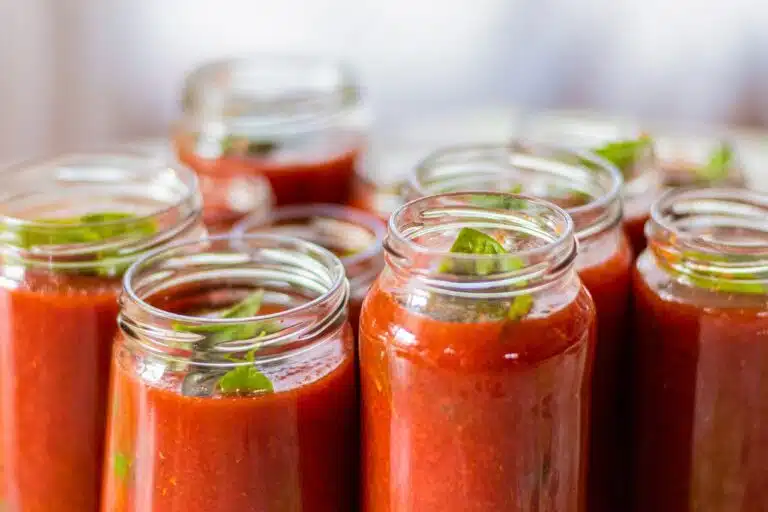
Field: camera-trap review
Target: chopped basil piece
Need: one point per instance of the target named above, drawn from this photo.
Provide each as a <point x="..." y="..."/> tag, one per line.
<point x="247" y="307"/>
<point x="500" y="202"/>
<point x="625" y="154"/>
<point x="719" y="283"/>
<point x="521" y="306"/>
<point x="242" y="379"/>
<point x="241" y="146"/>
<point x="122" y="465"/>
<point x="720" y="162"/>
<point x="91" y="228"/>
<point x="472" y="241"/>
<point x="245" y="379"/>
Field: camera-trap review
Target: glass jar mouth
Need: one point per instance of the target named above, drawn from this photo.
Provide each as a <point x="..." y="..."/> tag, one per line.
<point x="536" y="235"/>
<point x="342" y="214"/>
<point x="113" y="194"/>
<point x="280" y="265"/>
<point x="261" y="95"/>
<point x="715" y="237"/>
<point x="520" y="165"/>
<point x="687" y="214"/>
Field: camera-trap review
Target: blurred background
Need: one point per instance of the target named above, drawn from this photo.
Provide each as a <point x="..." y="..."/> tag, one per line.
<point x="81" y="73"/>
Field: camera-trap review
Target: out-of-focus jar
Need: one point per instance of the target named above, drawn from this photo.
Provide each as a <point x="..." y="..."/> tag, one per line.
<point x="356" y="237"/>
<point x="700" y="410"/>
<point x="396" y="148"/>
<point x="299" y="121"/>
<point x="692" y="157"/>
<point x="227" y="197"/>
<point x="621" y="141"/>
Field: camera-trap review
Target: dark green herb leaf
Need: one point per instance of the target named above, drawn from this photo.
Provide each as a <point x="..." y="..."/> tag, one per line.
<point x="625" y="155"/>
<point x="719" y="164"/>
<point x="122" y="465"/>
<point x="243" y="380"/>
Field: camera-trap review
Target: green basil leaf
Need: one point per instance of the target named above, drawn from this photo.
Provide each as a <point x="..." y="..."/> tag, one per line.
<point x="500" y="202"/>
<point x="122" y="465"/>
<point x="244" y="380"/>
<point x="473" y="241"/>
<point x="719" y="164"/>
<point x="625" y="154"/>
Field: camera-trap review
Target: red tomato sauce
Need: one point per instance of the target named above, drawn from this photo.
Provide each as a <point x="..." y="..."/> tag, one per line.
<point x="56" y="336"/>
<point x="324" y="181"/>
<point x="295" y="449"/>
<point x="474" y="417"/>
<point x="608" y="281"/>
<point x="700" y="409"/>
<point x="634" y="227"/>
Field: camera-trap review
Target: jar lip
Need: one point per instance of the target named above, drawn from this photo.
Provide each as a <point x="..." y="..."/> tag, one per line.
<point x="211" y="83"/>
<point x="59" y="163"/>
<point x="608" y="198"/>
<point x="327" y="210"/>
<point x="660" y="216"/>
<point x="331" y="262"/>
<point x="561" y="238"/>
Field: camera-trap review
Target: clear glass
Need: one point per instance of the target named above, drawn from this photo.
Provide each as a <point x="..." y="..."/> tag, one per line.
<point x="684" y="154"/>
<point x="58" y="307"/>
<point x="701" y="299"/>
<point x="298" y="121"/>
<point x="213" y="412"/>
<point x="227" y="198"/>
<point x="354" y="236"/>
<point x="453" y="360"/>
<point x="397" y="147"/>
<point x="589" y="189"/>
<point x="643" y="184"/>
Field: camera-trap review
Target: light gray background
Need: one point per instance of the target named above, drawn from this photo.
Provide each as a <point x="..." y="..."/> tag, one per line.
<point x="77" y="73"/>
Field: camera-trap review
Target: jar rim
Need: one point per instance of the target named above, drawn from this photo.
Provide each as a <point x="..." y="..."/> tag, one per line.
<point x="327" y="210"/>
<point x="186" y="177"/>
<point x="607" y="201"/>
<point x="331" y="263"/>
<point x="536" y="266"/>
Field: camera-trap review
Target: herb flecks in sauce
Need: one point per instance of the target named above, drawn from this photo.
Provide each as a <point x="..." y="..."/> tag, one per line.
<point x="472" y="241"/>
<point x="241" y="146"/>
<point x="244" y="378"/>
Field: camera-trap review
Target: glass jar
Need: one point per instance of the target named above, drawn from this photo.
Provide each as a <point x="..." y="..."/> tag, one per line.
<point x="475" y="369"/>
<point x="694" y="157"/>
<point x="69" y="228"/>
<point x="701" y="300"/>
<point x="354" y="236"/>
<point x="589" y="189"/>
<point x="643" y="180"/>
<point x="233" y="381"/>
<point x="398" y="147"/>
<point x="227" y="198"/>
<point x="298" y="121"/>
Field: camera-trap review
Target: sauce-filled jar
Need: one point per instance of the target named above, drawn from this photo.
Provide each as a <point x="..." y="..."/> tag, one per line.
<point x="353" y="235"/>
<point x="624" y="143"/>
<point x="227" y="197"/>
<point x="476" y="346"/>
<point x="298" y="121"/>
<point x="690" y="157"/>
<point x="233" y="381"/>
<point x="701" y="308"/>
<point x="69" y="229"/>
<point x="589" y="189"/>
